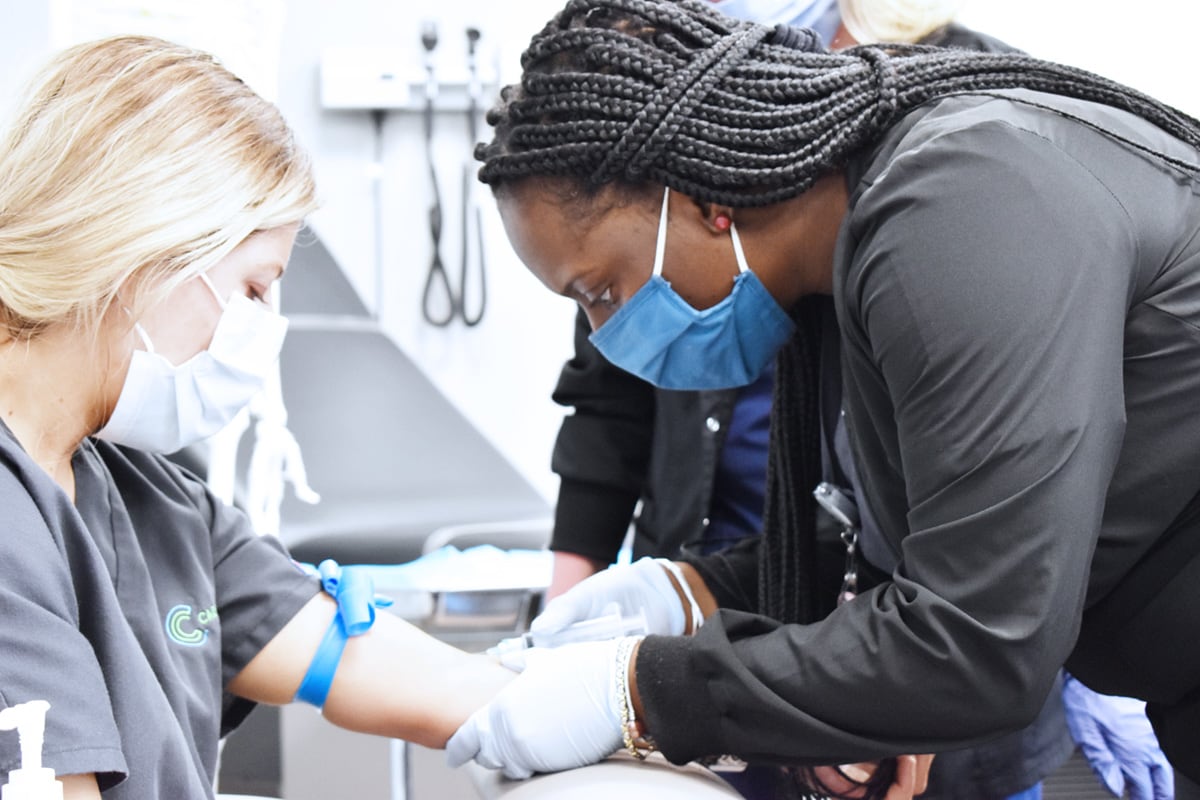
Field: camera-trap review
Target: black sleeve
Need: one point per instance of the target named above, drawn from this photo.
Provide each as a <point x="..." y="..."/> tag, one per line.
<point x="992" y="324"/>
<point x="602" y="450"/>
<point x="732" y="574"/>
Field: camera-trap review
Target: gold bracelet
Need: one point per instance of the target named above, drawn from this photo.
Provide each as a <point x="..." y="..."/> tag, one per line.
<point x="635" y="744"/>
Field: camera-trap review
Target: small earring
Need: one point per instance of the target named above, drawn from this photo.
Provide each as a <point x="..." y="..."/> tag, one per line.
<point x="722" y="222"/>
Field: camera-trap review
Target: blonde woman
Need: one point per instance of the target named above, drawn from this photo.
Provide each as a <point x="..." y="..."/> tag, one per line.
<point x="148" y="203"/>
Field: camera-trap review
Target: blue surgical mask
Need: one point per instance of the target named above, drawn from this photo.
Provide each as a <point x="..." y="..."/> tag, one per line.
<point x="820" y="15"/>
<point x="660" y="338"/>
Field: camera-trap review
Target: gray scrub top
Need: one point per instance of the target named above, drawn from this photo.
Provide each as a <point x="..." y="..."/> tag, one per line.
<point x="129" y="612"/>
<point x="1017" y="284"/>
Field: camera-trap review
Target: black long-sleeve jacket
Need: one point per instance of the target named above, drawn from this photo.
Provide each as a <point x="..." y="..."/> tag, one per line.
<point x="1017" y="283"/>
<point x="627" y="442"/>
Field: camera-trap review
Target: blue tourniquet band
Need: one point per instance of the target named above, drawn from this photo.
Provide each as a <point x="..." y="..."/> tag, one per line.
<point x="315" y="686"/>
<point x="355" y="594"/>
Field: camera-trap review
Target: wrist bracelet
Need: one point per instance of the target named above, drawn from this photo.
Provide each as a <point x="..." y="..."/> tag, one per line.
<point x="636" y="744"/>
<point x="693" y="607"/>
<point x="356" y="600"/>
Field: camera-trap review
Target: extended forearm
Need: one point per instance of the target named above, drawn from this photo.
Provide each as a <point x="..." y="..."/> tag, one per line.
<point x="397" y="681"/>
<point x="394" y="680"/>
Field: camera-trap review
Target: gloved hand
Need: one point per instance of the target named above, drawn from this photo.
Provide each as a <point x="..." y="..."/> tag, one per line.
<point x="1118" y="742"/>
<point x="562" y="712"/>
<point x="640" y="586"/>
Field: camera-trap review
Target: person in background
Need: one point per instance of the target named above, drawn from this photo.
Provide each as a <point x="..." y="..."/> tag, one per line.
<point x="691" y="91"/>
<point x="149" y="201"/>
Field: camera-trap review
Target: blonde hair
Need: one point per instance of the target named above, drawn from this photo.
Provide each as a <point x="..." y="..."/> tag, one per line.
<point x="134" y="161"/>
<point x="896" y="20"/>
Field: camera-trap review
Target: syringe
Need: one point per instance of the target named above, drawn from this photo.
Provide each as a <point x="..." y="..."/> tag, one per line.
<point x="609" y="626"/>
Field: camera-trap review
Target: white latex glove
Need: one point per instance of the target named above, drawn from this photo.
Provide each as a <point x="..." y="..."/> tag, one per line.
<point x="1118" y="742"/>
<point x="562" y="712"/>
<point x="640" y="586"/>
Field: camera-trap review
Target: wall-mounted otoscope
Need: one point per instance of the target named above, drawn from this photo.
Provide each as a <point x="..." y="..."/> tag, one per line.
<point x="437" y="278"/>
<point x="391" y="79"/>
<point x="472" y="218"/>
<point x="437" y="270"/>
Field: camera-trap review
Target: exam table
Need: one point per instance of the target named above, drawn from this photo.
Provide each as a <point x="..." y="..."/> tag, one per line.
<point x="619" y="776"/>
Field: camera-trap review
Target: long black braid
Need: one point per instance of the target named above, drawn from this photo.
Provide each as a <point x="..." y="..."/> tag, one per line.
<point x="627" y="93"/>
<point x="788" y="583"/>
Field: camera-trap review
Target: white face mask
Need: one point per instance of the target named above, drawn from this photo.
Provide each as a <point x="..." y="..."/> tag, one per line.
<point x="164" y="407"/>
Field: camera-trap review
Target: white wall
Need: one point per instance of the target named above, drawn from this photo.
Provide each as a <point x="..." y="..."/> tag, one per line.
<point x="24" y="43"/>
<point x="502" y="372"/>
<point x="1149" y="45"/>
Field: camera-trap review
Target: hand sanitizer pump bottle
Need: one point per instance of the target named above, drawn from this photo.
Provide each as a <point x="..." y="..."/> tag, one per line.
<point x="32" y="781"/>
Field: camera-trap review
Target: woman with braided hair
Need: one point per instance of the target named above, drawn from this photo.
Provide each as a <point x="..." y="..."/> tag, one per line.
<point x="1007" y="248"/>
<point x="687" y="469"/>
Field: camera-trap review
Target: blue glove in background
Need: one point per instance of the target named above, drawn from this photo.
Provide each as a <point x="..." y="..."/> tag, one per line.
<point x="1116" y="738"/>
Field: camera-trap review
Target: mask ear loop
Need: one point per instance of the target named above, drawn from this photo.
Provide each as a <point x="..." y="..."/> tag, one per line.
<point x="660" y="244"/>
<point x="145" y="337"/>
<point x="737" y="248"/>
<point x="140" y="331"/>
<point x="207" y="282"/>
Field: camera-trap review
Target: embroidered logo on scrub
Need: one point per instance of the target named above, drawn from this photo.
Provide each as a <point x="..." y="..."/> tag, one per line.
<point x="190" y="628"/>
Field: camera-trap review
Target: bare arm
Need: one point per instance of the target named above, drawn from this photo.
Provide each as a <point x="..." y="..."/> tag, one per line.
<point x="393" y="681"/>
<point x="80" y="787"/>
<point x="570" y="569"/>
<point x="704" y="597"/>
